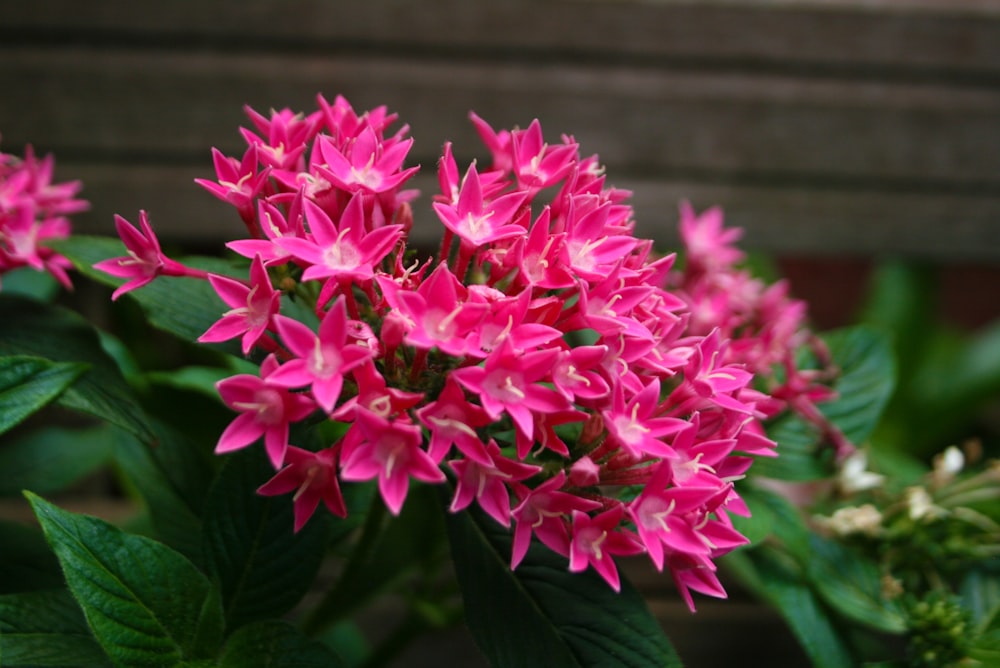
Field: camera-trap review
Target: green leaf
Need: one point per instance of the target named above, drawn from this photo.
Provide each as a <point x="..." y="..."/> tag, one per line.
<point x="51" y="458"/>
<point x="543" y="615"/>
<point x="184" y="307"/>
<point x="868" y="378"/>
<point x="145" y="603"/>
<point x="28" y="384"/>
<point x="29" y="282"/>
<point x="274" y="644"/>
<point x="980" y="592"/>
<point x="986" y="648"/>
<point x="173" y="478"/>
<point x="40" y="330"/>
<point x="26" y="560"/>
<point x="866" y="382"/>
<point x="773" y="577"/>
<point x="46" y="628"/>
<point x="760" y="524"/>
<point x="851" y="584"/>
<point x="250" y="548"/>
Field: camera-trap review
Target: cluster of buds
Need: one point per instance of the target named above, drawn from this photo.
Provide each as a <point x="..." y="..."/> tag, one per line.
<point x="926" y="533"/>
<point x="33" y="211"/>
<point x="541" y="364"/>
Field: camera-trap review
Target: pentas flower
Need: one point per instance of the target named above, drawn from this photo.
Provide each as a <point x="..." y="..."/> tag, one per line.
<point x="390" y="451"/>
<point x="342" y="250"/>
<point x="239" y="182"/>
<point x="508" y="382"/>
<point x="568" y="382"/>
<point x="597" y="540"/>
<point x="253" y="307"/>
<point x="322" y="359"/>
<point x="145" y="261"/>
<point x="313" y="478"/>
<point x="266" y="409"/>
<point x="369" y="163"/>
<point x="477" y="221"/>
<point x="488" y="483"/>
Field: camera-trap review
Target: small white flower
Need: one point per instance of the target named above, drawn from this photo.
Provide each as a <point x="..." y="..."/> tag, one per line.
<point x="921" y="505"/>
<point x="866" y="519"/>
<point x="854" y="476"/>
<point x="947" y="465"/>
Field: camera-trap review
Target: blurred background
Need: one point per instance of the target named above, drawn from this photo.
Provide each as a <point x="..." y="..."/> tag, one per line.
<point x="842" y="135"/>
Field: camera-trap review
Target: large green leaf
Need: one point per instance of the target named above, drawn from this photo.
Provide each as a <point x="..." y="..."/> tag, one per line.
<point x="31" y="328"/>
<point x="776" y="579"/>
<point x="48" y="459"/>
<point x="145" y="603"/>
<point x="185" y="307"/>
<point x="46" y="628"/>
<point x="28" y="384"/>
<point x="868" y="373"/>
<point x="543" y="615"/>
<point x="851" y="584"/>
<point x="263" y="567"/>
<point x="274" y="644"/>
<point x="26" y="560"/>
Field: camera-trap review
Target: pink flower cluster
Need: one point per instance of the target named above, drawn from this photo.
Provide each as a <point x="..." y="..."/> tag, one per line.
<point x="33" y="210"/>
<point x="763" y="325"/>
<point x="540" y="364"/>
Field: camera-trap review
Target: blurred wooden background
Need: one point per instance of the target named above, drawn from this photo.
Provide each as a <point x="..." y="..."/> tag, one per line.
<point x="836" y="132"/>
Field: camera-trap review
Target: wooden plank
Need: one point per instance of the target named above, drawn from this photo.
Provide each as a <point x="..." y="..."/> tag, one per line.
<point x="932" y="36"/>
<point x="782" y="220"/>
<point x="779" y="128"/>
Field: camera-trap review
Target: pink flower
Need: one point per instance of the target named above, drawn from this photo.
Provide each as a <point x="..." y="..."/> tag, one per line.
<point x="252" y="307"/>
<point x="487" y="483"/>
<point x="238" y="183"/>
<point x="437" y="314"/>
<point x="635" y="426"/>
<point x="544" y="511"/>
<point x="508" y="382"/>
<point x="321" y="360"/>
<point x="265" y="410"/>
<point x="536" y="164"/>
<point x="452" y="420"/>
<point x="369" y="163"/>
<point x="708" y="245"/>
<point x="477" y="221"/>
<point x="313" y="476"/>
<point x="345" y="250"/>
<point x="144" y="262"/>
<point x="597" y="540"/>
<point x="391" y="452"/>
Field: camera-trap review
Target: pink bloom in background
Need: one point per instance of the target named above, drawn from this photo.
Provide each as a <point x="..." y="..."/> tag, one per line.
<point x="33" y="212"/>
<point x="579" y="389"/>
